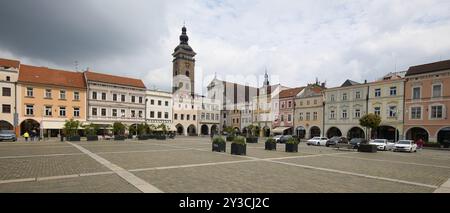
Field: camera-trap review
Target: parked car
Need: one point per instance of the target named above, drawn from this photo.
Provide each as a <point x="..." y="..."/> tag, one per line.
<point x="318" y="141"/>
<point x="335" y="140"/>
<point x="356" y="141"/>
<point x="405" y="145"/>
<point x="382" y="144"/>
<point x="285" y="138"/>
<point x="7" y="135"/>
<point x="277" y="138"/>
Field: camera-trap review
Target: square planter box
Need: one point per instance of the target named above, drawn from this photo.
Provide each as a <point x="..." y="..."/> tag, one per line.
<point x="230" y="138"/>
<point x="73" y="138"/>
<point x="219" y="147"/>
<point x="238" y="149"/>
<point x="252" y="140"/>
<point x="270" y="146"/>
<point x="291" y="147"/>
<point x="161" y="137"/>
<point x="142" y="137"/>
<point x="130" y="136"/>
<point x="92" y="138"/>
<point x="151" y="136"/>
<point x="119" y="137"/>
<point x="367" y="148"/>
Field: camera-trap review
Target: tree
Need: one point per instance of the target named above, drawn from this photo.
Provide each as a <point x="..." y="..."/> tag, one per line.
<point x="71" y="127"/>
<point x="90" y="129"/>
<point x="229" y="130"/>
<point x="119" y="128"/>
<point x="370" y="121"/>
<point x="163" y="128"/>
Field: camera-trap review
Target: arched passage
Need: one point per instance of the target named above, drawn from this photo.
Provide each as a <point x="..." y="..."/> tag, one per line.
<point x="214" y="129"/>
<point x="192" y="131"/>
<point x="245" y="131"/>
<point x="415" y="133"/>
<point x="355" y="132"/>
<point x="204" y="130"/>
<point x="300" y="131"/>
<point x="237" y="130"/>
<point x="314" y="132"/>
<point x="386" y="132"/>
<point x="5" y="125"/>
<point x="29" y="125"/>
<point x="443" y="136"/>
<point x="333" y="131"/>
<point x="180" y="129"/>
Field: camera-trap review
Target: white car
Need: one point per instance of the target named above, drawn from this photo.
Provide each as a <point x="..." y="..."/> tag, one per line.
<point x="277" y="138"/>
<point x="405" y="145"/>
<point x="382" y="144"/>
<point x="319" y="141"/>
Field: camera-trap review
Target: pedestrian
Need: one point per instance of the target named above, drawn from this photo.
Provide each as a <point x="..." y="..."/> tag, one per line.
<point x="420" y="143"/>
<point x="34" y="135"/>
<point x="26" y="135"/>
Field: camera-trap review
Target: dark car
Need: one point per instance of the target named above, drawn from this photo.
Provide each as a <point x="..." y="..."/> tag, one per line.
<point x="285" y="138"/>
<point x="7" y="135"/>
<point x="356" y="141"/>
<point x="335" y="140"/>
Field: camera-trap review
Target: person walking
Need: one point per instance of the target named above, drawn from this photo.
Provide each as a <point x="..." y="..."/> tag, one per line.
<point x="26" y="135"/>
<point x="420" y="143"/>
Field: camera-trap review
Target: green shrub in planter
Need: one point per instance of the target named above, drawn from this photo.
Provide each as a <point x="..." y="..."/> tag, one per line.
<point x="92" y="138"/>
<point x="291" y="145"/>
<point x="271" y="144"/>
<point x="239" y="146"/>
<point x="367" y="148"/>
<point x="161" y="137"/>
<point x="73" y="138"/>
<point x="142" y="137"/>
<point x="218" y="144"/>
<point x="119" y="137"/>
<point x="230" y="138"/>
<point x="252" y="139"/>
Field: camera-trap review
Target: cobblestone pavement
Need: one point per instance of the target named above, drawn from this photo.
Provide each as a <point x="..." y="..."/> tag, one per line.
<point x="187" y="164"/>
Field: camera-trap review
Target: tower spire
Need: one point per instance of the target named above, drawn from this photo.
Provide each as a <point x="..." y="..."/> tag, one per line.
<point x="266" y="78"/>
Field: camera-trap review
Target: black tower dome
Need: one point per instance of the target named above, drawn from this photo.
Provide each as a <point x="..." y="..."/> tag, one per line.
<point x="183" y="37"/>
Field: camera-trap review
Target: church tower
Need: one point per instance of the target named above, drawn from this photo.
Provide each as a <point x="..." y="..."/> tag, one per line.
<point x="183" y="67"/>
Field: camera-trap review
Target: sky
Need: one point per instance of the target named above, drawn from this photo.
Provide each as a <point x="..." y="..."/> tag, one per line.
<point x="295" y="41"/>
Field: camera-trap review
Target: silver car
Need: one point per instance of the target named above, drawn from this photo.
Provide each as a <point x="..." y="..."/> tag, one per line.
<point x="7" y="135"/>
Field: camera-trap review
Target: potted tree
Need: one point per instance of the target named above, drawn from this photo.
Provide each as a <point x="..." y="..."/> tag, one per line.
<point x="142" y="132"/>
<point x="230" y="133"/>
<point x="218" y="144"/>
<point x="162" y="133"/>
<point x="91" y="132"/>
<point x="238" y="146"/>
<point x="71" y="130"/>
<point x="119" y="131"/>
<point x="291" y="145"/>
<point x="151" y="131"/>
<point x="251" y="134"/>
<point x="271" y="144"/>
<point x="370" y="121"/>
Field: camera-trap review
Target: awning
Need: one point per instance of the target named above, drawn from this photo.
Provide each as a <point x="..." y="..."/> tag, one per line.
<point x="280" y="129"/>
<point x="52" y="124"/>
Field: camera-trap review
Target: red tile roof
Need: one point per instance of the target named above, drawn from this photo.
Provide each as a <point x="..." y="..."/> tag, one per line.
<point x="290" y="92"/>
<point x="9" y="63"/>
<point x="44" y="75"/>
<point x="427" y="68"/>
<point x="111" y="79"/>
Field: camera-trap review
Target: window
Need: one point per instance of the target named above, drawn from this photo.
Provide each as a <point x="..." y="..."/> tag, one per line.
<point x="133" y="113"/>
<point x="160" y="115"/>
<point x="344" y="114"/>
<point x="166" y="103"/>
<point x="94" y="111"/>
<point x="217" y="116"/>
<point x="6" y="91"/>
<point x="103" y="112"/>
<point x="301" y="116"/>
<point x="114" y="112"/>
<point x="62" y="111"/>
<point x="315" y="102"/>
<point x="140" y="100"/>
<point x="436" y="112"/>
<point x="8" y="78"/>
<point x="187" y="73"/>
<point x="48" y="111"/>
<point x="48" y="93"/>
<point x="393" y="91"/>
<point x="152" y="102"/>
<point x="437" y="88"/>
<point x="122" y="98"/>
<point x="416" y="112"/>
<point x="103" y="96"/>
<point x="166" y="115"/>
<point x="416" y="93"/>
<point x="282" y="118"/>
<point x="392" y="111"/>
<point x="175" y="116"/>
<point x="182" y="116"/>
<point x="332" y="114"/>
<point x="76" y="95"/>
<point x="344" y="96"/>
<point x="193" y="117"/>
<point x="289" y="118"/>
<point x="358" y="95"/>
<point x="152" y="114"/>
<point x="289" y="104"/>
<point x="29" y="92"/>
<point x="62" y="94"/>
<point x="332" y="98"/>
<point x="314" y="115"/>
<point x="94" y="95"/>
<point x="114" y="97"/>
<point x="301" y="103"/>
<point x="357" y="113"/>
<point x="122" y="113"/>
<point x="308" y="116"/>
<point x="188" y="117"/>
<point x="76" y="112"/>
<point x="377" y="110"/>
<point x="140" y="114"/>
<point x="202" y="116"/>
<point x="159" y="102"/>
<point x="207" y="116"/>
<point x="6" y="108"/>
<point x="133" y="99"/>
<point x="377" y="92"/>
<point x="29" y="110"/>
